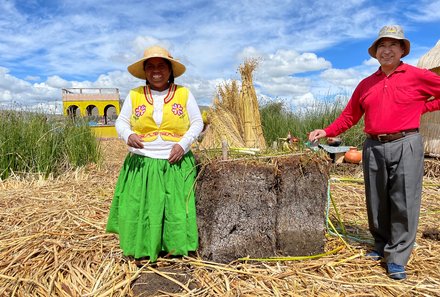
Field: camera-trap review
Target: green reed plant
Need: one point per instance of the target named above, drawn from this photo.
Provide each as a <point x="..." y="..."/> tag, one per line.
<point x="80" y="143"/>
<point x="38" y="143"/>
<point x="277" y="121"/>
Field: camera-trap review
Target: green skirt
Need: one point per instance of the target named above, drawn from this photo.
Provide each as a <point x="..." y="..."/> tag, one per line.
<point x="153" y="207"/>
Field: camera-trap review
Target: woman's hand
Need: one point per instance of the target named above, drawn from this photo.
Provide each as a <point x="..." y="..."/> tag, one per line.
<point x="135" y="141"/>
<point x="176" y="154"/>
<point x="316" y="134"/>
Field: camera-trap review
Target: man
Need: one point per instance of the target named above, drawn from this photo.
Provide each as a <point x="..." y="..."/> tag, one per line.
<point x="392" y="100"/>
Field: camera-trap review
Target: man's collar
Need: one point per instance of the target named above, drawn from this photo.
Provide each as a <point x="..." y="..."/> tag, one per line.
<point x="401" y="68"/>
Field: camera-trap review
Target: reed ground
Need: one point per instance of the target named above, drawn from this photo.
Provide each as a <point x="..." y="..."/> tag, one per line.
<point x="53" y="243"/>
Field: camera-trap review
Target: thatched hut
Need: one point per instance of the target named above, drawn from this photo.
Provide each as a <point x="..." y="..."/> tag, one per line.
<point x="430" y="122"/>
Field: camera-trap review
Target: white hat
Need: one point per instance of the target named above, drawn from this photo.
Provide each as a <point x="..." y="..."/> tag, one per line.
<point x="390" y="31"/>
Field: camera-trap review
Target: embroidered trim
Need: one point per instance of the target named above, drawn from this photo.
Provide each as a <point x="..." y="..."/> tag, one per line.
<point x="155" y="133"/>
<point x="168" y="97"/>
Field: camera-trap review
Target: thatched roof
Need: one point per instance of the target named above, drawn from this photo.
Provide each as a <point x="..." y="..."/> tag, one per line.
<point x="430" y="122"/>
<point x="431" y="59"/>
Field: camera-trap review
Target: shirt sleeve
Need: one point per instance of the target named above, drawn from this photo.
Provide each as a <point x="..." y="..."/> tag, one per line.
<point x="431" y="105"/>
<point x="123" y="126"/>
<point x="430" y="83"/>
<point x="196" y="123"/>
<point x="349" y="117"/>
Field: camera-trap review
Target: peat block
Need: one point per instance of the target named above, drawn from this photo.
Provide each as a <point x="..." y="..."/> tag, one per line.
<point x="262" y="208"/>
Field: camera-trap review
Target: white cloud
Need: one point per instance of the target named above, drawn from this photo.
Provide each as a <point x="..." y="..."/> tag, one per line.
<point x="45" y="46"/>
<point x="275" y="74"/>
<point x="10" y="84"/>
<point x="286" y="62"/>
<point x="57" y="82"/>
<point x="346" y="78"/>
<point x="32" y="78"/>
<point x="425" y="11"/>
<point x="371" y="62"/>
<point x="283" y="86"/>
<point x="140" y="43"/>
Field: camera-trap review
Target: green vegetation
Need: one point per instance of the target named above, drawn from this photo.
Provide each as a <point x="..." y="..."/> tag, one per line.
<point x="38" y="143"/>
<point x="277" y="121"/>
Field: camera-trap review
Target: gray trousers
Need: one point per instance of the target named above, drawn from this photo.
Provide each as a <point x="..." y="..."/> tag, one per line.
<point x="393" y="174"/>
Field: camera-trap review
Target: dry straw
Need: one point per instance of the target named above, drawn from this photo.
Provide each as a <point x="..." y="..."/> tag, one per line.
<point x="223" y="126"/>
<point x="431" y="60"/>
<point x="235" y="115"/>
<point x="430" y="122"/>
<point x="53" y="243"/>
<point x="250" y="113"/>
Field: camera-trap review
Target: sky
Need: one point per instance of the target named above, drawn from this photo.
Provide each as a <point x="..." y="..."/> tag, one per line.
<point x="308" y="51"/>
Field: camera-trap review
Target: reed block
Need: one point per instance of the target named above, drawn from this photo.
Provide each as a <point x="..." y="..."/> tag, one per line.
<point x="262" y="208"/>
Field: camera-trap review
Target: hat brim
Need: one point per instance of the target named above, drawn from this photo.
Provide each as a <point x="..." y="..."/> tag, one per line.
<point x="373" y="49"/>
<point x="137" y="68"/>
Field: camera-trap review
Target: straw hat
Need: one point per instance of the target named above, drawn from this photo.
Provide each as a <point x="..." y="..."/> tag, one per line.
<point x="390" y="31"/>
<point x="137" y="68"/>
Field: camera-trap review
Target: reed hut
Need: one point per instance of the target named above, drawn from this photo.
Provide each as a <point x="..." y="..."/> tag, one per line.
<point x="430" y="122"/>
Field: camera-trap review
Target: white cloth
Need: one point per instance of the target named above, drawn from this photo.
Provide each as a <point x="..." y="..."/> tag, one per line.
<point x="159" y="148"/>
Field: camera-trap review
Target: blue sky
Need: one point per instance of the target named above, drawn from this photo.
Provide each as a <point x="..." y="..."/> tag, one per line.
<point x="308" y="50"/>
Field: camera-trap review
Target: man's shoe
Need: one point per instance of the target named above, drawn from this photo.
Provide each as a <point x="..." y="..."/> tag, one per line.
<point x="374" y="255"/>
<point x="396" y="271"/>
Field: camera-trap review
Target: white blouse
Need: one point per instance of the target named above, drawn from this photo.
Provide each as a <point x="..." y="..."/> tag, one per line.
<point x="159" y="148"/>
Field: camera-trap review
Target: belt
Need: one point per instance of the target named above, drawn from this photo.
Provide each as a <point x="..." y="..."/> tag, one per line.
<point x="392" y="136"/>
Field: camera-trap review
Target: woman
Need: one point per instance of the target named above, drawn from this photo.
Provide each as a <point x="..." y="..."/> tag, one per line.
<point x="153" y="208"/>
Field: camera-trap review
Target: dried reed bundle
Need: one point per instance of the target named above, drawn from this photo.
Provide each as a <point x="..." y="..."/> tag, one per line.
<point x="52" y="243"/>
<point x="431" y="59"/>
<point x="230" y="96"/>
<point x="430" y="129"/>
<point x="235" y="115"/>
<point x="223" y="126"/>
<point x="430" y="122"/>
<point x="250" y="113"/>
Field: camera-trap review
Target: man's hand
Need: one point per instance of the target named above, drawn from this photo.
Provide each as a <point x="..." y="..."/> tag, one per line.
<point x="316" y="134"/>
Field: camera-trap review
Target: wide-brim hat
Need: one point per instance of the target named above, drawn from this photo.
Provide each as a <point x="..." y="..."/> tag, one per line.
<point x="137" y="68"/>
<point x="390" y="31"/>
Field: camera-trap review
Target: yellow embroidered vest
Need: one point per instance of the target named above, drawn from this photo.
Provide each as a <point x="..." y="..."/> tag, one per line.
<point x="175" y="120"/>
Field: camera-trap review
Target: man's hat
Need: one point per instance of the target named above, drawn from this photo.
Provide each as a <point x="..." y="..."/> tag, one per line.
<point x="390" y="31"/>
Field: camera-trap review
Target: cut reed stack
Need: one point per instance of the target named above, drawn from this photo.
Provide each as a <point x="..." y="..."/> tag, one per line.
<point x="430" y="122"/>
<point x="250" y="113"/>
<point x="224" y="122"/>
<point x="235" y="115"/>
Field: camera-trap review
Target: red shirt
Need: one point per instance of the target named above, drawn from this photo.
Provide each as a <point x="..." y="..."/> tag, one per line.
<point x="390" y="103"/>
